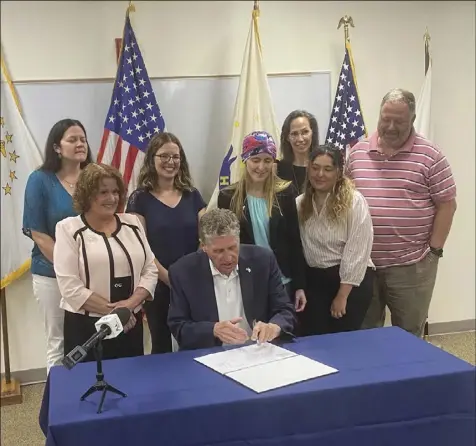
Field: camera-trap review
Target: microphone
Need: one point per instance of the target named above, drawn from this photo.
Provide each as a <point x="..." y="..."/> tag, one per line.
<point x="108" y="327"/>
<point x="113" y="323"/>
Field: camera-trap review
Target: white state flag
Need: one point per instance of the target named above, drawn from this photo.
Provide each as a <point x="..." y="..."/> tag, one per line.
<point x="423" y="108"/>
<point x="253" y="109"/>
<point x="19" y="157"/>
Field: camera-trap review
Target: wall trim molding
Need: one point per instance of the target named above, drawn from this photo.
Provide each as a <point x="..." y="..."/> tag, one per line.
<point x="31" y="376"/>
<point x="442" y="328"/>
<point x="37" y="376"/>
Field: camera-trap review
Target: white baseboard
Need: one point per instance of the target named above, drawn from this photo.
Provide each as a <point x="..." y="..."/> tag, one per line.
<point x="441" y="328"/>
<point x="31" y="376"/>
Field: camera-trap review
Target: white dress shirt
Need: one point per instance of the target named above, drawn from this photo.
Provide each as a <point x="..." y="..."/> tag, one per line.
<point x="228" y="297"/>
<point x="347" y="243"/>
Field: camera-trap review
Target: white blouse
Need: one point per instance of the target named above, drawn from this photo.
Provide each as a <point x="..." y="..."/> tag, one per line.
<point x="86" y="261"/>
<point x="347" y="243"/>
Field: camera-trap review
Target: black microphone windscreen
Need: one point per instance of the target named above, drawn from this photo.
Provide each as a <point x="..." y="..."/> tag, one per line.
<point x="123" y="313"/>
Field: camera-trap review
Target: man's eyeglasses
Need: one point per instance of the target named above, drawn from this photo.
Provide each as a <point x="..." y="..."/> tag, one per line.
<point x="164" y="158"/>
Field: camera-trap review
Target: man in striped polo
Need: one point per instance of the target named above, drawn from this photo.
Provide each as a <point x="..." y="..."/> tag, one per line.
<point x="410" y="189"/>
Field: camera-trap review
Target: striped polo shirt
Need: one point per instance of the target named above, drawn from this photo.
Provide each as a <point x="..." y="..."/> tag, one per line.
<point x="401" y="191"/>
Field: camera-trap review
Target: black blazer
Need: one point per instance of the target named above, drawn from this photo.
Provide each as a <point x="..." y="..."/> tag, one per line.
<point x="289" y="172"/>
<point x="193" y="310"/>
<point x="284" y="235"/>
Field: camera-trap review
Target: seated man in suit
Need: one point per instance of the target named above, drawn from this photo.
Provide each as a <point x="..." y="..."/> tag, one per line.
<point x="227" y="293"/>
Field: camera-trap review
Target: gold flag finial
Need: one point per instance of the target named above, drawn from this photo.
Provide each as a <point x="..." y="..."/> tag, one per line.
<point x="427" y="37"/>
<point x="131" y="7"/>
<point x="256" y="11"/>
<point x="346" y="21"/>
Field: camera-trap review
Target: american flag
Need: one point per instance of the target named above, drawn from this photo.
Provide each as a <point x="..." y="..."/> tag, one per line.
<point x="347" y="125"/>
<point x="134" y="115"/>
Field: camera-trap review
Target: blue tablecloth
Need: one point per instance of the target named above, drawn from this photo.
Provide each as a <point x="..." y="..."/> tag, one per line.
<point x="392" y="389"/>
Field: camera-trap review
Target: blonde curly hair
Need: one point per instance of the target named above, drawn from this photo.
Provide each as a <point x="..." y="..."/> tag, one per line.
<point x="340" y="198"/>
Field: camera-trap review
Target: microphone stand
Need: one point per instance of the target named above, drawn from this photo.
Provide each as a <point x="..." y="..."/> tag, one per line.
<point x="101" y="385"/>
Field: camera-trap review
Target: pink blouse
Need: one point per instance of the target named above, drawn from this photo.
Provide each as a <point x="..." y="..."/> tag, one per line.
<point x="87" y="261"/>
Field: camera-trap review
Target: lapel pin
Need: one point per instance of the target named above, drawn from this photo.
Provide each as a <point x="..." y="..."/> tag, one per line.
<point x="248" y="269"/>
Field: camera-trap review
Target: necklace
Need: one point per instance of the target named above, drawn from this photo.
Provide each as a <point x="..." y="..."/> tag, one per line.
<point x="66" y="182"/>
<point x="296" y="182"/>
<point x="295" y="179"/>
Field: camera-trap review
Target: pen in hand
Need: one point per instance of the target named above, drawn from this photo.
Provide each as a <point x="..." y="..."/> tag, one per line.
<point x="253" y="336"/>
<point x="263" y="333"/>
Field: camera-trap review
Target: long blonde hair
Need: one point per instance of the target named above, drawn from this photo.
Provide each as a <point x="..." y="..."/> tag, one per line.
<point x="339" y="201"/>
<point x="272" y="185"/>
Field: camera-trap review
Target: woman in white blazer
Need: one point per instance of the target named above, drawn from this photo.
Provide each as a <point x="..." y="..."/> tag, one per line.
<point x="103" y="261"/>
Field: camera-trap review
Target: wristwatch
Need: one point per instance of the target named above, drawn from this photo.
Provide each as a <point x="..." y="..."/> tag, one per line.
<point x="437" y="251"/>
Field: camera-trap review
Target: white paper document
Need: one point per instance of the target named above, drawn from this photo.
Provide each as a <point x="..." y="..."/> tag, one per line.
<point x="244" y="357"/>
<point x="265" y="367"/>
<point x="274" y="375"/>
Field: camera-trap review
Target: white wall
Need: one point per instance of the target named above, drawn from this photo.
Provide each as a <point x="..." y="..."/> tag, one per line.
<point x="75" y="40"/>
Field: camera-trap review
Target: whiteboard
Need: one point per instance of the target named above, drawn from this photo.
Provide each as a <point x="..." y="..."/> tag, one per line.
<point x="198" y="110"/>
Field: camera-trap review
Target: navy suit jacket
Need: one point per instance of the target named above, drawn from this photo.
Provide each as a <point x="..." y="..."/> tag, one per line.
<point x="193" y="310"/>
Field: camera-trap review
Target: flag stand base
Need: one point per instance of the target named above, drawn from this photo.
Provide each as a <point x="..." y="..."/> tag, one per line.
<point x="11" y="392"/>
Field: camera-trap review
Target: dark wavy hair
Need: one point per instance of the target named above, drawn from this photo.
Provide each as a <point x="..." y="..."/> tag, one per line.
<point x="340" y="198"/>
<point x="148" y="177"/>
<point x="52" y="161"/>
<point x="286" y="148"/>
<point x="88" y="183"/>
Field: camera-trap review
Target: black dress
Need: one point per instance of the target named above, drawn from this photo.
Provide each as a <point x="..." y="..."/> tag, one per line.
<point x="172" y="232"/>
<point x="290" y="172"/>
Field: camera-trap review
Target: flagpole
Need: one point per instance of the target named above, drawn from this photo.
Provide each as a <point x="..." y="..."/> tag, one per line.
<point x="426" y="39"/>
<point x="348" y="21"/>
<point x="118" y="43"/>
<point x="6" y="350"/>
<point x="10" y="388"/>
<point x="255" y="15"/>
<point x="118" y="40"/>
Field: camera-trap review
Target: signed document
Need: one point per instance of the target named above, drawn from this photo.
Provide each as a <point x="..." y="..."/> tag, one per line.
<point x="244" y="357"/>
<point x="263" y="367"/>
